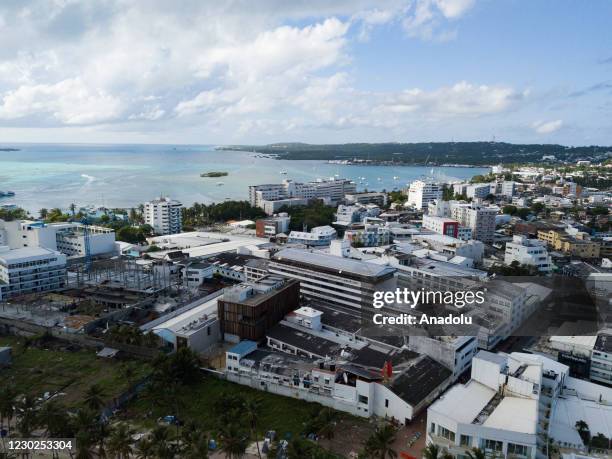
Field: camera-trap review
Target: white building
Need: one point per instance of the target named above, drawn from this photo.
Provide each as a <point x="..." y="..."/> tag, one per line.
<point x="441" y="225"/>
<point x="480" y="219"/>
<point x="317" y="237"/>
<point x="66" y="237"/>
<point x="194" y="274"/>
<point x="452" y="246"/>
<point x="421" y="193"/>
<point x="333" y="279"/>
<point x="30" y="270"/>
<point x="498" y="410"/>
<point x="372" y="235"/>
<point x="454" y="352"/>
<point x="332" y="190"/>
<point x="164" y="215"/>
<point x="530" y="252"/>
<point x="508" y="188"/>
<point x="478" y="190"/>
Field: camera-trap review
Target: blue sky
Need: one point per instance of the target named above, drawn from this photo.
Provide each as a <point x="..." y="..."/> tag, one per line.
<point x="312" y="71"/>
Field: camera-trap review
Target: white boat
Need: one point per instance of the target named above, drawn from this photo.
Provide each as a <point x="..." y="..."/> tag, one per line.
<point x="395" y="177"/>
<point x="283" y="172"/>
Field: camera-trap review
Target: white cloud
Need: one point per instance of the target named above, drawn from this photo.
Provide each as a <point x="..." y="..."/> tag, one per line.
<point x="427" y="19"/>
<point x="547" y="127"/>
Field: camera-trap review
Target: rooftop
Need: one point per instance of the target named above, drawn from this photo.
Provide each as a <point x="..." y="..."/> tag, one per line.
<point x="515" y="414"/>
<point x="305" y="341"/>
<point x="420" y="380"/>
<point x="339" y="264"/>
<point x="26" y="252"/>
<point x="464" y="402"/>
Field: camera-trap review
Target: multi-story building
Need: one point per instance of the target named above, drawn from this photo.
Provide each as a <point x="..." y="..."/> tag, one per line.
<point x="334" y="279"/>
<point x="249" y="310"/>
<point x="452" y="246"/>
<point x="356" y="213"/>
<point x="441" y="225"/>
<point x="498" y="410"/>
<point x="508" y="188"/>
<point x="332" y="190"/>
<point x="372" y="235"/>
<point x="454" y="352"/>
<point x="30" y="270"/>
<point x="421" y="193"/>
<point x="317" y="237"/>
<point x="480" y="219"/>
<point x="271" y="226"/>
<point x="579" y="245"/>
<point x="478" y="190"/>
<point x="601" y="359"/>
<point x="66" y="237"/>
<point x="164" y="215"/>
<point x="372" y="197"/>
<point x="529" y="252"/>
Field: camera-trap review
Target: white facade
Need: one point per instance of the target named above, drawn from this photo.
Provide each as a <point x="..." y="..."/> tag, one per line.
<point x="332" y="189"/>
<point x="66" y="237"/>
<point x="530" y="252"/>
<point x="453" y="246"/>
<point x="480" y="219"/>
<point x="318" y="236"/>
<point x="454" y="352"/>
<point x="478" y="190"/>
<point x="372" y="235"/>
<point x="421" y="193"/>
<point x="30" y="270"/>
<point x="164" y="215"/>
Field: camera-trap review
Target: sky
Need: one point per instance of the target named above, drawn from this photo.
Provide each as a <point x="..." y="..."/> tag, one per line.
<point x="316" y="71"/>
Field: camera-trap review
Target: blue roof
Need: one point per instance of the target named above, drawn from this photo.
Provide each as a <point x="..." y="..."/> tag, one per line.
<point x="243" y="348"/>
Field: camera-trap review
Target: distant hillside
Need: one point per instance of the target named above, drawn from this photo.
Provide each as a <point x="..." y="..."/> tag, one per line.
<point x="433" y="153"/>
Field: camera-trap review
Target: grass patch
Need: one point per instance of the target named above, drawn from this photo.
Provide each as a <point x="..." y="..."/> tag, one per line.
<point x="282" y="414"/>
<point x="38" y="370"/>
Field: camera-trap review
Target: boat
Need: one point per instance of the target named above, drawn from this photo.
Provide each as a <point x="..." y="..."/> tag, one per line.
<point x="6" y="194"/>
<point x="283" y="172"/>
<point x="395" y="177"/>
<point x="220" y="183"/>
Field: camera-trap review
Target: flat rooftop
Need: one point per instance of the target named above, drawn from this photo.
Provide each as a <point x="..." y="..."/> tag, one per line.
<point x="334" y="263"/>
<point x="515" y="414"/>
<point x="464" y="402"/>
<point x="26" y="252"/>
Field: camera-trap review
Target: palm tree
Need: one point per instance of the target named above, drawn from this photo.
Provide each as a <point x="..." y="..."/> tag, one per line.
<point x="431" y="451"/>
<point x="197" y="448"/>
<point x="160" y="437"/>
<point x="93" y="397"/>
<point x="233" y="441"/>
<point x="252" y="408"/>
<point x="43" y="213"/>
<point x="380" y="442"/>
<point x="83" y="445"/>
<point x="120" y="441"/>
<point x="7" y="407"/>
<point x="476" y="453"/>
<point x="27" y="416"/>
<point x="73" y="208"/>
<point x="54" y="417"/>
<point x="145" y="448"/>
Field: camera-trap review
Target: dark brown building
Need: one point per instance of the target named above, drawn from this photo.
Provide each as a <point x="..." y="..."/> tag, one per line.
<point x="249" y="310"/>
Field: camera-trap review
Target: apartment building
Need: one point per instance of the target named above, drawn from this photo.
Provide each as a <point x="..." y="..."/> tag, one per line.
<point x="601" y="359"/>
<point x="579" y="245"/>
<point x="331" y="190"/>
<point x="480" y="219"/>
<point x="164" y="215"/>
<point x="356" y="213"/>
<point x="454" y="352"/>
<point x="421" y="193"/>
<point x="317" y="237"/>
<point x="452" y="246"/>
<point x="441" y="225"/>
<point x="478" y="190"/>
<point x="529" y="252"/>
<point x="331" y="278"/>
<point x="371" y="235"/>
<point x="372" y="197"/>
<point x="65" y="237"/>
<point x="30" y="270"/>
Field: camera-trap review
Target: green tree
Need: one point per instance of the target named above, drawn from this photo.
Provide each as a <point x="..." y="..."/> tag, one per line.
<point x="120" y="441"/>
<point x="379" y="444"/>
<point x="94" y="397"/>
<point x="145" y="448"/>
<point x="431" y="451"/>
<point x="234" y="440"/>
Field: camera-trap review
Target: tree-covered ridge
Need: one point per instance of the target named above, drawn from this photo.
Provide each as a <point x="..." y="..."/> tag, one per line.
<point x="431" y="153"/>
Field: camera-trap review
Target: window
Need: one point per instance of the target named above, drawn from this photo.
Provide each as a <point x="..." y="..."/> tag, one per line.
<point x="386" y="403"/>
<point x="432" y="427"/>
<point x="465" y="440"/>
<point x="520" y="450"/>
<point x="492" y="445"/>
<point x="445" y="433"/>
<point x="363" y="399"/>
